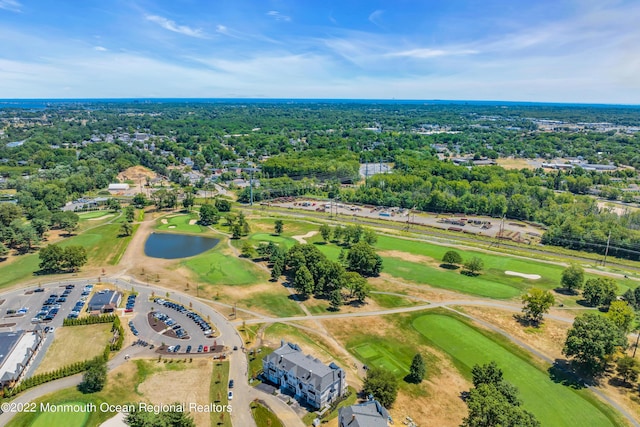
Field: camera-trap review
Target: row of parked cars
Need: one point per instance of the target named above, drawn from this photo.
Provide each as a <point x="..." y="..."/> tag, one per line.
<point x="201" y="349"/>
<point x="177" y="328"/>
<point x="51" y="306"/>
<point x="134" y="331"/>
<point x="131" y="302"/>
<point x="202" y="324"/>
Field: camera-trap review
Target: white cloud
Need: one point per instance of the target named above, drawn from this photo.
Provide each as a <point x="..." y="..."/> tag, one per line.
<point x="11" y="5"/>
<point x="100" y="48"/>
<point x="376" y="17"/>
<point x="170" y="25"/>
<point x="426" y="53"/>
<point x="278" y="16"/>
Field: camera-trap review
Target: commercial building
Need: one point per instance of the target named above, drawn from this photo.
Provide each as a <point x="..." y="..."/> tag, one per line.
<point x="105" y="301"/>
<point x="16" y="354"/>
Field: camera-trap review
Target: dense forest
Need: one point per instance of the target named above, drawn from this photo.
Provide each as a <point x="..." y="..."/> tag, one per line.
<point x="65" y="150"/>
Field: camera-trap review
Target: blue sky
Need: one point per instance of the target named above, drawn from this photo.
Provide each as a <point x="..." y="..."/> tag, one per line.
<point x="555" y="51"/>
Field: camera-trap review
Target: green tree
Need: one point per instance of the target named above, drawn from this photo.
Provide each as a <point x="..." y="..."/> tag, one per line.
<point x="417" y="370"/>
<point x="537" y="302"/>
<point x="51" y="258"/>
<point x="3" y="250"/>
<point x="382" y="384"/>
<point x="95" y="377"/>
<point x="303" y="281"/>
<point x="325" y="232"/>
<point x="139" y="200"/>
<point x="188" y="201"/>
<point x="113" y="204"/>
<point x="277" y="269"/>
<point x="357" y="285"/>
<point x="208" y="215"/>
<point x="335" y="300"/>
<point x="591" y="340"/>
<point x="236" y="231"/>
<point x="278" y="226"/>
<point x="370" y="237"/>
<point x="74" y="257"/>
<point x="248" y="251"/>
<point x="126" y="229"/>
<point x="474" y="265"/>
<point x="130" y="214"/>
<point x="363" y="259"/>
<point x="572" y="278"/>
<point x="451" y="258"/>
<point x="223" y="205"/>
<point x="622" y="315"/>
<point x="600" y="291"/>
<point x="628" y="369"/>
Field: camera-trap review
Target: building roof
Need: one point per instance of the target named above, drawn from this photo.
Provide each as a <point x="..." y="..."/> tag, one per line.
<point x="367" y="414"/>
<point x="102" y="298"/>
<point x="307" y="369"/>
<point x="118" y="186"/>
<point x="16" y="349"/>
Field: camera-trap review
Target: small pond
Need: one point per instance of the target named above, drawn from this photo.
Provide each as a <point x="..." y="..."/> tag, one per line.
<point x="171" y="246"/>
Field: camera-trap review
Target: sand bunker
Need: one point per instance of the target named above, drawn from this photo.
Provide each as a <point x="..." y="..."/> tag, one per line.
<point x="164" y="221"/>
<point x="171" y="226"/>
<point x="526" y="276"/>
<point x="305" y="236"/>
<point x="193" y="222"/>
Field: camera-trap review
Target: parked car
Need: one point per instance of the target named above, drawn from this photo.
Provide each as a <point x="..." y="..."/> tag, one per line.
<point x="230" y="395"/>
<point x="230" y="383"/>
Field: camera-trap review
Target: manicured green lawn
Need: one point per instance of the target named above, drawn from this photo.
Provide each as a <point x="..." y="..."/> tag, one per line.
<point x="376" y="355"/>
<point x="391" y="301"/>
<point x="277" y="304"/>
<point x="20" y="269"/>
<point x="71" y="419"/>
<point x="180" y="223"/>
<point x="552" y="403"/>
<point x="217" y="268"/>
<point x="287" y="242"/>
<point x="94" y="214"/>
<point x="103" y="244"/>
<point x="263" y="416"/>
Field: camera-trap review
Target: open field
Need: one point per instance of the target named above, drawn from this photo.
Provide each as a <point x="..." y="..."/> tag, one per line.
<point x="276" y="302"/>
<point x="103" y="244"/>
<point x="552" y="403"/>
<point x="74" y="344"/>
<point x="18" y="269"/>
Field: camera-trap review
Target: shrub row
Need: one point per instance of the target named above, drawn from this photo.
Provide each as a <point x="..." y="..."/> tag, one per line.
<point x="90" y="320"/>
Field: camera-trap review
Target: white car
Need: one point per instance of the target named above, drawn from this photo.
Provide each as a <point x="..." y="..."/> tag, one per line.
<point x="230" y="395"/>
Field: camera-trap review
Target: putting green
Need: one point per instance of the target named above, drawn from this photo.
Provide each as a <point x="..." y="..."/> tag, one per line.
<point x="68" y="418"/>
<point x="377" y="356"/>
<point x="266" y="237"/>
<point x="552" y="403"/>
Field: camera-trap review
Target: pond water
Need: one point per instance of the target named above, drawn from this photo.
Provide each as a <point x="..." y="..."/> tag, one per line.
<point x="171" y="246"/>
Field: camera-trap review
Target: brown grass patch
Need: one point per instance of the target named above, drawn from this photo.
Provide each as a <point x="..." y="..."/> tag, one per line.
<point x="548" y="338"/>
<point x="420" y="259"/>
<point x="514" y="163"/>
<point x="188" y="383"/>
<point x="74" y="344"/>
<point x="136" y="173"/>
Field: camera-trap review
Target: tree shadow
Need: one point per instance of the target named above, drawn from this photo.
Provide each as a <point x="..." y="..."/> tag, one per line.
<point x="561" y="372"/>
<point x="526" y="321"/>
<point x="565" y="291"/>
<point x="584" y="303"/>
<point x="618" y="382"/>
<point x="449" y="266"/>
<point x="469" y="273"/>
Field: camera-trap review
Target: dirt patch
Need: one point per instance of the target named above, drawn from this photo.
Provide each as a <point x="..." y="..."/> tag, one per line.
<point x="301" y="238"/>
<point x="136" y="173"/>
<point x="514" y="163"/>
<point x="190" y="382"/>
<point x="526" y="276"/>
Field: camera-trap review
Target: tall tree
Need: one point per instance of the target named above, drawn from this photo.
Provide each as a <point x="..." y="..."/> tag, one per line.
<point x="474" y="265"/>
<point x="537" y="302"/>
<point x="417" y="370"/>
<point x="382" y="384"/>
<point x="572" y="278"/>
<point x="208" y="215"/>
<point x="600" y="291"/>
<point x="278" y="226"/>
<point x="591" y="340"/>
<point x="628" y="369"/>
<point x="622" y="315"/>
<point x="95" y="377"/>
<point x="335" y="300"/>
<point x="126" y="228"/>
<point x="363" y="259"/>
<point x="303" y="281"/>
<point x="452" y="258"/>
<point x="325" y="232"/>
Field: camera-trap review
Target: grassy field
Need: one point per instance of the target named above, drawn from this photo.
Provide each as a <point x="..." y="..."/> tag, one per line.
<point x="71" y="419"/>
<point x="263" y="416"/>
<point x="17" y="270"/>
<point x="74" y="344"/>
<point x="277" y="302"/>
<point x="218" y="393"/>
<point x="103" y="244"/>
<point x="180" y="223"/>
<point x="391" y="301"/>
<point x="552" y="403"/>
<point x="218" y="268"/>
<point x="94" y="214"/>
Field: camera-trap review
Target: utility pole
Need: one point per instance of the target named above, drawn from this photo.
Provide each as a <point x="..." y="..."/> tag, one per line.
<point x="606" y="251"/>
